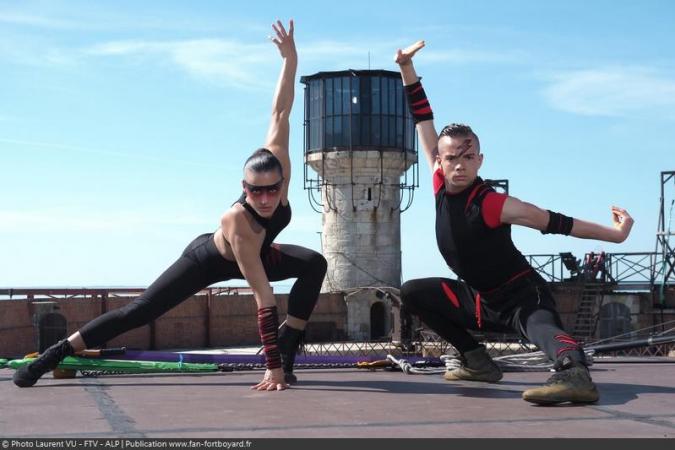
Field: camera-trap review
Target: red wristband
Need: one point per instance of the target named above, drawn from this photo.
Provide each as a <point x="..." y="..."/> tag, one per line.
<point x="268" y="326"/>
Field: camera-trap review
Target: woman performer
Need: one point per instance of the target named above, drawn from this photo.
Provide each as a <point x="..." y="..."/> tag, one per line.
<point x="241" y="248"/>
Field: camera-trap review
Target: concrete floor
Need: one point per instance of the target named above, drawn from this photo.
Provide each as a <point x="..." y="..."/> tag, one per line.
<point x="637" y="400"/>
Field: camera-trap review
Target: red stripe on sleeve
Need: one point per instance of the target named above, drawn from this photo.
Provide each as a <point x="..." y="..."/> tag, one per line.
<point x="493" y="204"/>
<point x="424" y="101"/>
<point x="425" y="110"/>
<point x="438" y="180"/>
<point x="451" y="295"/>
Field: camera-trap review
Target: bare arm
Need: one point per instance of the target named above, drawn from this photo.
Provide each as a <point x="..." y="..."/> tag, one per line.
<point x="279" y="129"/>
<point x="246" y="244"/>
<point x="521" y="213"/>
<point x="246" y="249"/>
<point x="425" y="129"/>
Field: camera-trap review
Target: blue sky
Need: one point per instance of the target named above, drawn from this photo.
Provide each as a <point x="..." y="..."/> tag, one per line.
<point x="124" y="125"/>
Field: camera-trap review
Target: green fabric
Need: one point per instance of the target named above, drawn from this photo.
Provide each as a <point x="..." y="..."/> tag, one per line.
<point x="3" y="363"/>
<point x="77" y="363"/>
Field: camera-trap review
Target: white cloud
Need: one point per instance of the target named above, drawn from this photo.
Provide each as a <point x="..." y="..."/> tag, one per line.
<point x="35" y="20"/>
<point x="98" y="18"/>
<point x="238" y="64"/>
<point x="619" y="91"/>
<point x="220" y="61"/>
<point x="231" y="62"/>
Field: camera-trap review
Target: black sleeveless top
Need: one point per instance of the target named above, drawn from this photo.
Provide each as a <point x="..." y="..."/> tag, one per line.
<point x="272" y="225"/>
<point x="486" y="258"/>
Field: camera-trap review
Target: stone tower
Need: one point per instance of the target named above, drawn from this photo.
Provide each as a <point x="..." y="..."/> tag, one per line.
<point x="359" y="144"/>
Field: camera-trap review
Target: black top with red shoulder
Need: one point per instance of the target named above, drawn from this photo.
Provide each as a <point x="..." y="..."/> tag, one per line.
<point x="474" y="242"/>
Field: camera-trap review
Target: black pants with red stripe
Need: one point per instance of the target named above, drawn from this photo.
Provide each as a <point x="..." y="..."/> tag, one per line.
<point x="525" y="306"/>
<point x="201" y="265"/>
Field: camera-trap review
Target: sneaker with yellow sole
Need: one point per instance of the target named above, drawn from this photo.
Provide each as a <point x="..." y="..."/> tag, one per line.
<point x="573" y="384"/>
<point x="476" y="366"/>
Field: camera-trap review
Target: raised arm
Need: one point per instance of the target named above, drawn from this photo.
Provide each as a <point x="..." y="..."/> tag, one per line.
<point x="423" y="122"/>
<point x="279" y="129"/>
<point x="521" y="213"/>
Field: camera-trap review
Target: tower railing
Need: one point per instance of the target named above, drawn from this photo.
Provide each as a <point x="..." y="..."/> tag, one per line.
<point x="629" y="270"/>
<point x="664" y="274"/>
<point x="549" y="266"/>
<point x="353" y="111"/>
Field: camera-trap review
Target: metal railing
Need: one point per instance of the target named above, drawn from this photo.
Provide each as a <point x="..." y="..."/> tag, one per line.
<point x="660" y="350"/>
<point x="550" y="267"/>
<point x="633" y="268"/>
<point x="638" y="270"/>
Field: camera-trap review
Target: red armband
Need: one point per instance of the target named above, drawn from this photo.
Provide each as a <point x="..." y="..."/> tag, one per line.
<point x="418" y="102"/>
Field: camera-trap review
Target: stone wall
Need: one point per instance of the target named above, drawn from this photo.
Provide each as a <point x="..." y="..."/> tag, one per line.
<point x="228" y="320"/>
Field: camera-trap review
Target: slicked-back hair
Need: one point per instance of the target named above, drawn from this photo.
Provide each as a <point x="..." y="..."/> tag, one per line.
<point x="263" y="160"/>
<point x="459" y="130"/>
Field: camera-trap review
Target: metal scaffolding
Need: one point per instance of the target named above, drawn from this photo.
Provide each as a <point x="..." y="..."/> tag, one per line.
<point x="663" y="274"/>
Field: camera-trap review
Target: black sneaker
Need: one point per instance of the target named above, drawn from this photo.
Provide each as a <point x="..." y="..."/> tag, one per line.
<point x="290" y="340"/>
<point x="27" y="376"/>
<point x="476" y="366"/>
<point x="572" y="384"/>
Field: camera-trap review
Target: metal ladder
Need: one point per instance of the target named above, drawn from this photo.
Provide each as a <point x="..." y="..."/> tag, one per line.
<point x="586" y="318"/>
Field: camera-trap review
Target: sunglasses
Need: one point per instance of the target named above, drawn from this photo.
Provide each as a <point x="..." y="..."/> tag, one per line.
<point x="255" y="189"/>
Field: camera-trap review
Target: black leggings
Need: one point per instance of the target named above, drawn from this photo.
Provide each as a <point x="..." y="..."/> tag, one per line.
<point x="201" y="265"/>
<point x="526" y="306"/>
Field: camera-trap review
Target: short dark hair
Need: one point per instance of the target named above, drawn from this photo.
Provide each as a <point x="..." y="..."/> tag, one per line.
<point x="459" y="130"/>
<point x="263" y="160"/>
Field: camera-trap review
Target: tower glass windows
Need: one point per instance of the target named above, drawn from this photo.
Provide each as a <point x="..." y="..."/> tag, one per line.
<point x="352" y="110"/>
